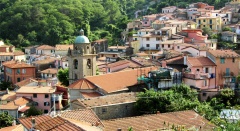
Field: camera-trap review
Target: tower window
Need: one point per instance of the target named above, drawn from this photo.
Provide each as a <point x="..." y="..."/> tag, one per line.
<point x="75" y="63"/>
<point x="89" y="63"/>
<point x="76" y="76"/>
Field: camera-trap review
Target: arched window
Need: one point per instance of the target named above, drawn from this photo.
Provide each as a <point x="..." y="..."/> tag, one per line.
<point x="75" y="76"/>
<point x="89" y="63"/>
<point x="75" y="64"/>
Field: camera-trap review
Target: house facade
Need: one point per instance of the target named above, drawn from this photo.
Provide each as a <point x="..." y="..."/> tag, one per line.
<point x="200" y="73"/>
<point x="45" y="50"/>
<point x="214" y="23"/>
<point x="229" y="36"/>
<point x="17" y="71"/>
<point x="42" y="96"/>
<point x="227" y="62"/>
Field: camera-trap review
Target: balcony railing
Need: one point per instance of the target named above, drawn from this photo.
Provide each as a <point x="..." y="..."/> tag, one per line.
<point x="228" y="74"/>
<point x="198" y="75"/>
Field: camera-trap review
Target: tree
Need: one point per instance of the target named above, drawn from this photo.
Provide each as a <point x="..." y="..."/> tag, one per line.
<point x="207" y="31"/>
<point x="33" y="111"/>
<point x="4" y="85"/>
<point x="63" y="76"/>
<point x="227" y="29"/>
<point x="5" y="120"/>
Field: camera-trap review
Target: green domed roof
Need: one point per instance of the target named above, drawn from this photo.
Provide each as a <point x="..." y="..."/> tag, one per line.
<point x="82" y="38"/>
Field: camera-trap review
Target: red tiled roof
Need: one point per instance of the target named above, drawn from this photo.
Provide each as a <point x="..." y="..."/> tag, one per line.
<point x="25" y="82"/>
<point x="223" y="53"/>
<point x="118" y="63"/>
<point x="26" y="121"/>
<point x="90" y="94"/>
<point x="57" y="124"/>
<point x="13" y="105"/>
<point x="189" y="119"/>
<point x="84" y="115"/>
<point x="13" y="128"/>
<point x="117" y="81"/>
<point x="107" y="100"/>
<point x="63" y="47"/>
<point x="15" y="64"/>
<point x="82" y="84"/>
<point x="45" y="47"/>
<point x="200" y="61"/>
<point x="175" y="60"/>
<point x="50" y="71"/>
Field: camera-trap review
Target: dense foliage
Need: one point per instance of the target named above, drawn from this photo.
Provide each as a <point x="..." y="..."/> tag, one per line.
<point x="5" y="120"/>
<point x="63" y="76"/>
<point x="33" y="111"/>
<point x="28" y="22"/>
<point x="182" y="97"/>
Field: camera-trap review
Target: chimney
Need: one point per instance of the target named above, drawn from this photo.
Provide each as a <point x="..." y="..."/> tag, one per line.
<point x="33" y="123"/>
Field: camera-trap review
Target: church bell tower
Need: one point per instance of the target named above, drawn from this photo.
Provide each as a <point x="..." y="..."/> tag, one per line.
<point x="82" y="59"/>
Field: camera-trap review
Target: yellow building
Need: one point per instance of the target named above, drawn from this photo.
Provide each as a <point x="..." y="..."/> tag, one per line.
<point x="215" y="23"/>
<point x="236" y="1"/>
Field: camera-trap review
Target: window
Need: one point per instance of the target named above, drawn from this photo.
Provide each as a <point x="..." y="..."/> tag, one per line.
<point x="76" y="76"/>
<point x="18" y="79"/>
<point x="210" y="26"/>
<point x="18" y="71"/>
<point x="75" y="63"/>
<point x="204" y="94"/>
<point x="145" y="22"/>
<point x="233" y="80"/>
<point x="146" y="32"/>
<point x="46" y="96"/>
<point x="222" y="60"/>
<point x="162" y="46"/>
<point x="206" y="70"/>
<point x="178" y="47"/>
<point x="198" y="70"/>
<point x="104" y="110"/>
<point x="168" y="45"/>
<point x="24" y="71"/>
<point x="89" y="63"/>
<point x="34" y="95"/>
<point x="114" y="55"/>
<point x="147" y="45"/>
<point x="46" y="104"/>
<point x="233" y="60"/>
<point x="147" y="38"/>
<point x="204" y="20"/>
<point x="35" y="104"/>
<point x="157" y="46"/>
<point x="157" y="39"/>
<point x="45" y="111"/>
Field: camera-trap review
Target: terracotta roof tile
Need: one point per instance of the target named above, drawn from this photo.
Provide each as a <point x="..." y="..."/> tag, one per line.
<point x="118" y="63"/>
<point x="117" y="81"/>
<point x="26" y="121"/>
<point x="35" y="89"/>
<point x="15" y="64"/>
<point x="90" y="94"/>
<point x="223" y="53"/>
<point x="84" y="115"/>
<point x="188" y="119"/>
<point x="175" y="60"/>
<point x="45" y="47"/>
<point x="82" y="84"/>
<point x="50" y="71"/>
<point x="13" y="128"/>
<point x="200" y="61"/>
<point x="8" y="97"/>
<point x="108" y="100"/>
<point x="25" y="82"/>
<point x="57" y="124"/>
<point x="63" y="47"/>
<point x="13" y="105"/>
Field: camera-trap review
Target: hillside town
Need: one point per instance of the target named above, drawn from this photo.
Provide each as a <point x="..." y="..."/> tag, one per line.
<point x="160" y="51"/>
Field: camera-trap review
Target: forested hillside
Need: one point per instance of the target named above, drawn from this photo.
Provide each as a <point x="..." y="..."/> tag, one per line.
<point x="29" y="22"/>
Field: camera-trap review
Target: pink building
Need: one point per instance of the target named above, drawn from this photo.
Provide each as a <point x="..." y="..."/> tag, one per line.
<point x="193" y="35"/>
<point x="42" y="96"/>
<point x="201" y="73"/>
<point x="148" y="20"/>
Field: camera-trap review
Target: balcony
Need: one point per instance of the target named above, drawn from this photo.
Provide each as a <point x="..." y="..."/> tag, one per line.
<point x="199" y="75"/>
<point x="228" y="74"/>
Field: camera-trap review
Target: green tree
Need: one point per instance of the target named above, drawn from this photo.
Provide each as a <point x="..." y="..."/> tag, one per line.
<point x="63" y="76"/>
<point x="207" y="31"/>
<point x="5" y="120"/>
<point x="227" y="29"/>
<point x="33" y="111"/>
<point x="4" y="85"/>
